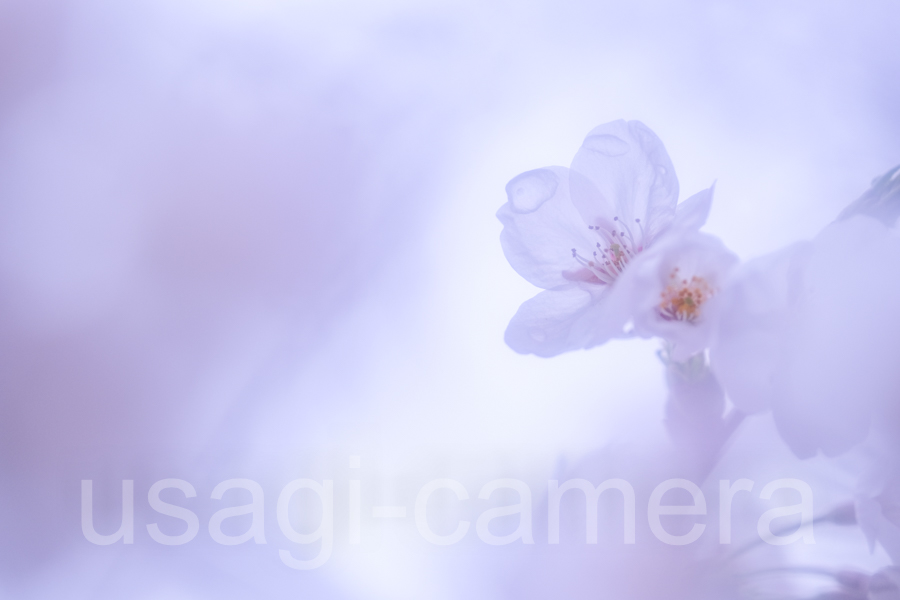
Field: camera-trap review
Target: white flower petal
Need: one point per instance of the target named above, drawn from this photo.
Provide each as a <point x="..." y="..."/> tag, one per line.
<point x="691" y="214"/>
<point x="622" y="170"/>
<point x="843" y="339"/>
<point x="753" y="308"/>
<point x="566" y="318"/>
<point x="813" y="332"/>
<point x="541" y="226"/>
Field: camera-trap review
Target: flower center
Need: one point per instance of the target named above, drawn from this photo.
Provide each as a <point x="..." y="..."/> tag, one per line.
<point x="617" y="246"/>
<point x="682" y="298"/>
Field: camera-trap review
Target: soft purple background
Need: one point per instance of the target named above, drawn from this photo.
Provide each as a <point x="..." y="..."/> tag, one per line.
<point x="251" y="238"/>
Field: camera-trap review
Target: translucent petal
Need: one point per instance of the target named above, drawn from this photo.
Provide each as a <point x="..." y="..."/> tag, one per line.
<point x="842" y="339"/>
<point x="541" y="227"/>
<point x="566" y="318"/>
<point x="691" y="214"/>
<point x="754" y="309"/>
<point x="622" y="170"/>
<point x="812" y="332"/>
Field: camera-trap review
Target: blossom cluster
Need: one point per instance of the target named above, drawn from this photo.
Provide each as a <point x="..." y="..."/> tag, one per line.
<point x="807" y="334"/>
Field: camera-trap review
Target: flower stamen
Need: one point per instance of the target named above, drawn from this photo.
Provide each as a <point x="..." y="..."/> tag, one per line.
<point x="600" y="270"/>
<point x="682" y="299"/>
<point x="615" y="249"/>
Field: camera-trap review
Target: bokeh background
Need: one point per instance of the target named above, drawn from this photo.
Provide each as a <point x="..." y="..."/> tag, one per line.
<point x="249" y="238"/>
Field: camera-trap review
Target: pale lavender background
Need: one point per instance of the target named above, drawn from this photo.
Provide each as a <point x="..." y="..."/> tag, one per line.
<point x="249" y="239"/>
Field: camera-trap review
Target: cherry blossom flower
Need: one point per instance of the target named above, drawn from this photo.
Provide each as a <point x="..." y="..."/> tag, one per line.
<point x="673" y="290"/>
<point x="811" y="332"/>
<point x="580" y="233"/>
